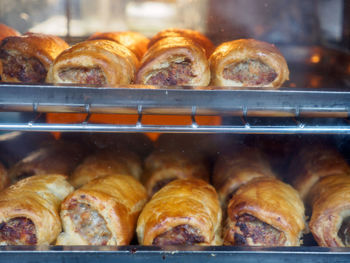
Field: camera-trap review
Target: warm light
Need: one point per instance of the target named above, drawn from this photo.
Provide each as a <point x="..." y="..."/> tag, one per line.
<point x="315" y="59"/>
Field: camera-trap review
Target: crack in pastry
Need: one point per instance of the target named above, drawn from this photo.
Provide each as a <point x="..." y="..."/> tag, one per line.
<point x="18" y="231"/>
<point x="83" y="75"/>
<point x="179" y="235"/>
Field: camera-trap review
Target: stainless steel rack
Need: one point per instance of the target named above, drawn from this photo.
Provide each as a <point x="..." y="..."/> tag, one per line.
<point x="244" y="111"/>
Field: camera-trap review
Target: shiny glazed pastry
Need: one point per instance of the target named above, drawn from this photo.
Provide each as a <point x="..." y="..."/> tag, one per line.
<point x="96" y="62"/>
<point x="134" y="41"/>
<point x="330" y="221"/>
<point x="162" y="167"/>
<point x="237" y="168"/>
<point x="187" y="33"/>
<point x="184" y="212"/>
<point x="6" y="31"/>
<point x="102" y="212"/>
<point x="313" y="163"/>
<point x="174" y="61"/>
<point x="27" y="58"/>
<point x="265" y="212"/>
<point x="4" y="179"/>
<point x="29" y="210"/>
<point x="53" y="158"/>
<point x="104" y="163"/>
<point x="248" y="63"/>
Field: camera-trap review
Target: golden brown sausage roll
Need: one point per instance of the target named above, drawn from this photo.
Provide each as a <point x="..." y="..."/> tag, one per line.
<point x="313" y="163"/>
<point x="187" y="33"/>
<point x="330" y="221"/>
<point x="248" y="63"/>
<point x="53" y="158"/>
<point x="6" y="31"/>
<point x="27" y="58"/>
<point x="134" y="41"/>
<point x="104" y="163"/>
<point x="4" y="179"/>
<point x="184" y="212"/>
<point x="162" y="167"/>
<point x="29" y="210"/>
<point x="102" y="212"/>
<point x="94" y="62"/>
<point x="174" y="61"/>
<point x="237" y="168"/>
<point x="265" y="212"/>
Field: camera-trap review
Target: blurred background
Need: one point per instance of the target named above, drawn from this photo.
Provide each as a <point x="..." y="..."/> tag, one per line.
<point x="277" y="21"/>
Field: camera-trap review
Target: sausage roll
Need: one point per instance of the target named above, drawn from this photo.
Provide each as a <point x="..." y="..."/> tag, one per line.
<point x="162" y="167"/>
<point x="134" y="41"/>
<point x="174" y="61"/>
<point x="187" y="33"/>
<point x="29" y="210"/>
<point x="237" y="168"/>
<point x="311" y="164"/>
<point x="102" y="212"/>
<point x="27" y="58"/>
<point x="94" y="62"/>
<point x="53" y="158"/>
<point x="248" y="63"/>
<point x="6" y="31"/>
<point x="104" y="163"/>
<point x="265" y="212"/>
<point x="184" y="212"/>
<point x="330" y="221"/>
<point x="4" y="179"/>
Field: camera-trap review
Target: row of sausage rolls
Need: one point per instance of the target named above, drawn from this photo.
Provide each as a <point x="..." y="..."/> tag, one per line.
<point x="323" y="180"/>
<point x="172" y="57"/>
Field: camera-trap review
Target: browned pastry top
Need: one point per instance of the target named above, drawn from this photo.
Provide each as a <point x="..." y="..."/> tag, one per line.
<point x="134" y="41"/>
<point x="6" y="31"/>
<point x="187" y="33"/>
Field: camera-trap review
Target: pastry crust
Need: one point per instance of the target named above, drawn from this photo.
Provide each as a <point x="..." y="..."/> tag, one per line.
<point x="237" y="168"/>
<point x="236" y="53"/>
<point x="190" y="202"/>
<point x="117" y="199"/>
<point x="6" y="31"/>
<point x="104" y="163"/>
<point x="94" y="62"/>
<point x="330" y="208"/>
<point x="53" y="158"/>
<point x="275" y="204"/>
<point x="174" y="61"/>
<point x="134" y="41"/>
<point x="36" y="199"/>
<point x="196" y="36"/>
<point x="27" y="58"/>
<point x="162" y="167"/>
<point x="313" y="163"/>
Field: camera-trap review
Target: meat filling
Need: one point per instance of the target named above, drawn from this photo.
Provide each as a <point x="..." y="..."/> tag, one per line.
<point x="178" y="73"/>
<point x="252" y="231"/>
<point x="23" y="68"/>
<point x="344" y="232"/>
<point x="250" y="72"/>
<point x="160" y="184"/>
<point x="179" y="235"/>
<point x="83" y="75"/>
<point x="18" y="231"/>
<point x="89" y="224"/>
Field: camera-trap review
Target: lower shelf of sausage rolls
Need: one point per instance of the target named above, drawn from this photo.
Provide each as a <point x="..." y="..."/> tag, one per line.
<point x="177" y="196"/>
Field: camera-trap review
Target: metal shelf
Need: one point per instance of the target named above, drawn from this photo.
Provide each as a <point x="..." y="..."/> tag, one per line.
<point x="304" y="107"/>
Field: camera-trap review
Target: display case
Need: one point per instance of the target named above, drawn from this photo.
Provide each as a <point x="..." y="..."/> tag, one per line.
<point x="314" y="105"/>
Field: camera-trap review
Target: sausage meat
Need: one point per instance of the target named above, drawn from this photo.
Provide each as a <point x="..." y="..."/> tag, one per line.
<point x="83" y="75"/>
<point x="18" y="231"/>
<point x="179" y="235"/>
<point x="344" y="232"/>
<point x="250" y="72"/>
